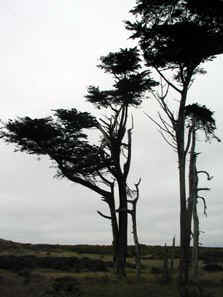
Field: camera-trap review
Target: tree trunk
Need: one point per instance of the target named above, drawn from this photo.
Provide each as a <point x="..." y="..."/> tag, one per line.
<point x="195" y="259"/>
<point x="136" y="241"/>
<point x="185" y="224"/>
<point x="115" y="233"/>
<point x="193" y="187"/>
<point x="166" y="276"/>
<point x="123" y="224"/>
<point x="132" y="212"/>
<point x="172" y="255"/>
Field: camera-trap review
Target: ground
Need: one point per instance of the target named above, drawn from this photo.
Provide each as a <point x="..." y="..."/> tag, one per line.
<point x="71" y="271"/>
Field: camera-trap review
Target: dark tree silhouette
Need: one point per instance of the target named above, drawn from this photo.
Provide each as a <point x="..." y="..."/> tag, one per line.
<point x="102" y="166"/>
<point x="198" y="119"/>
<point x="177" y="36"/>
<point x="130" y="85"/>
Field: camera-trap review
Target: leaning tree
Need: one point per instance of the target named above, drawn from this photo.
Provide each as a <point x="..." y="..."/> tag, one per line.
<point x="176" y="37"/>
<point x="101" y="166"/>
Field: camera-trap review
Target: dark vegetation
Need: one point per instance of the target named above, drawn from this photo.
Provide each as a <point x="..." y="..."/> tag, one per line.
<point x="44" y="270"/>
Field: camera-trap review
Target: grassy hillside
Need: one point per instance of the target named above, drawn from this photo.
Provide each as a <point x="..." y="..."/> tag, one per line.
<point x="44" y="270"/>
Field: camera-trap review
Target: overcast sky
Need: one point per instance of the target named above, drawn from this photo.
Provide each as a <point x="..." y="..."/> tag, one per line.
<point x="48" y="56"/>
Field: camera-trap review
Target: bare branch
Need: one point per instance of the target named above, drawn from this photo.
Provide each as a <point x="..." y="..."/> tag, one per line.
<point x="203" y="189"/>
<point x="168" y="128"/>
<point x="167" y="81"/>
<point x="163" y="94"/>
<point x="104" y="216"/>
<point x="160" y="100"/>
<point x="168" y="142"/>
<point x="167" y="111"/>
<point x="209" y="177"/>
<point x="137" y="189"/>
<point x="155" y="122"/>
<point x="161" y="128"/>
<point x="105" y="180"/>
<point x="130" y="201"/>
<point x="165" y="122"/>
<point x="204" y="203"/>
<point x="134" y="201"/>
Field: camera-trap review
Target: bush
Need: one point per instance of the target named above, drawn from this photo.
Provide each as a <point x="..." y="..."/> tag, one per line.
<point x="156" y="270"/>
<point x="213" y="267"/>
<point x="64" y="287"/>
<point x="70" y="264"/>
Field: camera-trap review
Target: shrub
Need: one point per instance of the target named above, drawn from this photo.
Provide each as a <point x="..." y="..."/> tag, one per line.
<point x="213" y="267"/>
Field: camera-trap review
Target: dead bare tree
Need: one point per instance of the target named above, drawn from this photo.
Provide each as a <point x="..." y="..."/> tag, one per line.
<point x="197" y="118"/>
<point x="132" y="212"/>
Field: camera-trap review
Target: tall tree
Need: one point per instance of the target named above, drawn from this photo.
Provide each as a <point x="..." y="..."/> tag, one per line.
<point x="198" y="118"/>
<point x="100" y="166"/>
<point x="176" y="36"/>
<point x="130" y="84"/>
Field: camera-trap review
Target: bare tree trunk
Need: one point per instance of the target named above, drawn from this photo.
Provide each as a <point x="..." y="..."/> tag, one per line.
<point x="195" y="256"/>
<point x="193" y="187"/>
<point x="184" y="226"/>
<point x="134" y="230"/>
<point x="185" y="222"/>
<point x="166" y="276"/>
<point x="115" y="231"/>
<point x="193" y="198"/>
<point x="172" y="255"/>
<point x="137" y="246"/>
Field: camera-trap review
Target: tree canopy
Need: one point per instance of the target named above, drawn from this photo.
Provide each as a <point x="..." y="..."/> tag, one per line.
<point x="178" y="34"/>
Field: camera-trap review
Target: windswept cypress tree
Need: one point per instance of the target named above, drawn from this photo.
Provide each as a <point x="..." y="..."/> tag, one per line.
<point x="130" y="84"/>
<point x="102" y="166"/>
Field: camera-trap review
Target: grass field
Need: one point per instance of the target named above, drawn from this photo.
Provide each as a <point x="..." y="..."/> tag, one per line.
<point x="24" y="279"/>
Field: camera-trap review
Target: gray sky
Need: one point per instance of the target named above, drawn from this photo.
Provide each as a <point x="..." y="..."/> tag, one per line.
<point x="48" y="56"/>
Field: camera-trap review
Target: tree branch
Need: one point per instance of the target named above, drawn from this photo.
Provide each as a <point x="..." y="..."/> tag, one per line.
<point x="106" y="181"/>
<point x="209" y="177"/>
<point x="168" y="142"/>
<point x="104" y="216"/>
<point x="162" y="129"/>
<point x="204" y="203"/>
<point x="83" y="182"/>
<point x="203" y="189"/>
<point x="167" y="81"/>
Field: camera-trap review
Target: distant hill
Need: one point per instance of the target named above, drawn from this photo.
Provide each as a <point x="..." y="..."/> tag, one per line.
<point x="11" y="247"/>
